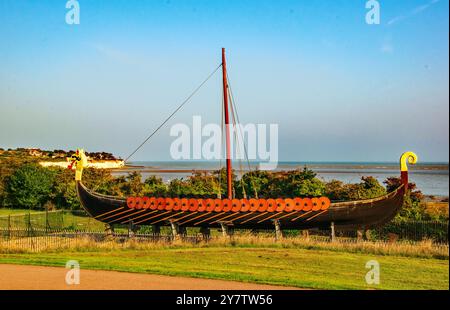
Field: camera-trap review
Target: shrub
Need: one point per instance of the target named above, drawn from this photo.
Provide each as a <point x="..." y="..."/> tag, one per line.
<point x="30" y="186"/>
<point x="154" y="186"/>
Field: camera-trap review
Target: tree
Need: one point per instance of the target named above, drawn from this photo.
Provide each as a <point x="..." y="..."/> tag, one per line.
<point x="154" y="186"/>
<point x="203" y="185"/>
<point x="308" y="188"/>
<point x="254" y="183"/>
<point x="220" y="178"/>
<point x="64" y="191"/>
<point x="9" y="163"/>
<point x="301" y="175"/>
<point x="370" y="188"/>
<point x="30" y="186"/>
<point x="124" y="186"/>
<point x="413" y="207"/>
<point x="177" y="188"/>
<point x="335" y="190"/>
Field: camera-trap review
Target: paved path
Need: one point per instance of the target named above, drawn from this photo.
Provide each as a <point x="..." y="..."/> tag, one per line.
<point x="17" y="277"/>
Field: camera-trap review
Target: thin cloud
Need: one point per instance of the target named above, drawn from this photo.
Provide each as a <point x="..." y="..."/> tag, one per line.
<point x="114" y="54"/>
<point x="417" y="10"/>
<point x="396" y="20"/>
<point x="387" y="48"/>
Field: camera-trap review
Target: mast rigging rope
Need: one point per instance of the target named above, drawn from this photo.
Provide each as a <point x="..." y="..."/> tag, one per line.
<point x="236" y="142"/>
<point x="221" y="147"/>
<point x="173" y="113"/>
<point x="233" y="104"/>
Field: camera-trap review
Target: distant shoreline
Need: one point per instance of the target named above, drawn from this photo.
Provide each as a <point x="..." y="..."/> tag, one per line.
<point x="105" y="164"/>
<point x="165" y="170"/>
<point x="185" y="166"/>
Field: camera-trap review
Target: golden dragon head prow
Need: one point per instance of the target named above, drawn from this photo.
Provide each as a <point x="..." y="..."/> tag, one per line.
<point x="79" y="160"/>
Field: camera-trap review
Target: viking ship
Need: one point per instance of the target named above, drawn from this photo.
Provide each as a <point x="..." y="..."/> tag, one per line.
<point x="229" y="212"/>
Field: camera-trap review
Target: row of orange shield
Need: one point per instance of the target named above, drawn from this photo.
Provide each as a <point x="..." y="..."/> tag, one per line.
<point x="229" y="205"/>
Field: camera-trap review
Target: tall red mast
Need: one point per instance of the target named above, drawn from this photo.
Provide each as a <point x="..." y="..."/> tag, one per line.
<point x="227" y="126"/>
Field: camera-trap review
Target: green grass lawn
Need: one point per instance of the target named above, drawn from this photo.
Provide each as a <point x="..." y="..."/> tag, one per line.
<point x="293" y="267"/>
<point x="6" y="211"/>
<point x="57" y="219"/>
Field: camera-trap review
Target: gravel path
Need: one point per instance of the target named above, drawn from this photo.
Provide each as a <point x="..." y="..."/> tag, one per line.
<point x="21" y="277"/>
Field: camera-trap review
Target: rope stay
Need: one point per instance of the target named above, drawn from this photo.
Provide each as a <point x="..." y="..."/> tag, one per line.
<point x="173" y="113"/>
<point x="221" y="147"/>
<point x="234" y="111"/>
<point x="235" y="119"/>
<point x="236" y="141"/>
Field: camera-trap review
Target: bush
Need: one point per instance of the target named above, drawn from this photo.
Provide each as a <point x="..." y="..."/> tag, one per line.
<point x="154" y="186"/>
<point x="285" y="184"/>
<point x="369" y="187"/>
<point x="30" y="186"/>
<point x="64" y="192"/>
<point x="413" y="207"/>
<point x="197" y="185"/>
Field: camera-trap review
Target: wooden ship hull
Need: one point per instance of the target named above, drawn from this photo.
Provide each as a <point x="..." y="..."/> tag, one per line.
<point x="361" y="214"/>
<point x="297" y="213"/>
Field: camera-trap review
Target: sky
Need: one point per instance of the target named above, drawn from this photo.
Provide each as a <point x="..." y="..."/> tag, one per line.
<point x="339" y="88"/>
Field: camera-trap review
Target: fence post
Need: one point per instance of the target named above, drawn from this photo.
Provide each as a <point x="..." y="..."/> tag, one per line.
<point x="9" y="226"/>
<point x="224" y="227"/>
<point x="88" y="223"/>
<point x="28" y="223"/>
<point x="131" y="229"/>
<point x="333" y="234"/>
<point x="47" y="224"/>
<point x="206" y="232"/>
<point x="278" y="232"/>
<point x="305" y="233"/>
<point x="359" y="235"/>
<point x="156" y="230"/>
<point x="174" y="227"/>
<point x="109" y="230"/>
